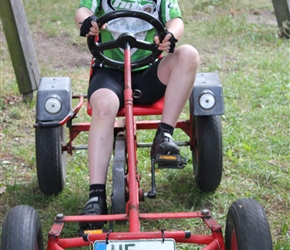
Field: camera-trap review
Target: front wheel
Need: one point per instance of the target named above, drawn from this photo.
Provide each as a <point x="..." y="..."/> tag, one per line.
<point x="247" y="227"/>
<point x="22" y="229"/>
<point x="50" y="159"/>
<point x="207" y="152"/>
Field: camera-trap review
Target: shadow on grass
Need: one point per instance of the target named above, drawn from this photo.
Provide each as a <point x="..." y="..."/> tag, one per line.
<point x="177" y="191"/>
<point x="29" y="194"/>
<point x="26" y="194"/>
<point x="66" y="202"/>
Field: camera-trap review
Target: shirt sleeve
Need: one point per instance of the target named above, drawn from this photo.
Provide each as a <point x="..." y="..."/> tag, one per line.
<point x="169" y="10"/>
<point x="93" y="5"/>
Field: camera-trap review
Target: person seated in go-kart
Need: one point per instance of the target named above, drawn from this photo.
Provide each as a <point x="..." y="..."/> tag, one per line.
<point x="172" y="76"/>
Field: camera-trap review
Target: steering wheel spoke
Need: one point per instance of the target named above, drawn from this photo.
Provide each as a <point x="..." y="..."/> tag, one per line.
<point x="145" y="45"/>
<point x="108" y="45"/>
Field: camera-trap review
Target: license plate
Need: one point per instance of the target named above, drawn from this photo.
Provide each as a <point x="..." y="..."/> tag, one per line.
<point x="158" y="244"/>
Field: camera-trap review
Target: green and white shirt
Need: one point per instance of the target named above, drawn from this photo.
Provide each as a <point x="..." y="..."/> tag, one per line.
<point x="164" y="10"/>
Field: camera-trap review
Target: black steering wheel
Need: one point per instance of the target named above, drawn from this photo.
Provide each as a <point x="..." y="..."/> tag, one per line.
<point x="97" y="48"/>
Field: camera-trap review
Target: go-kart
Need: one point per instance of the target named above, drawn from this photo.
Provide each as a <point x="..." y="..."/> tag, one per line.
<point x="246" y="226"/>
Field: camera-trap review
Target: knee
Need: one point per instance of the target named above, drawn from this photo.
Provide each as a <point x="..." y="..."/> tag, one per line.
<point x="188" y="55"/>
<point x="102" y="109"/>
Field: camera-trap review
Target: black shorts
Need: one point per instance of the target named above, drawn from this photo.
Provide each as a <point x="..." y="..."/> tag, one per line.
<point x="145" y="82"/>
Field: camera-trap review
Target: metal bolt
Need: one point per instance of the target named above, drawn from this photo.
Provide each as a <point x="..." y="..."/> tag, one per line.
<point x="205" y="212"/>
<point x="59" y="216"/>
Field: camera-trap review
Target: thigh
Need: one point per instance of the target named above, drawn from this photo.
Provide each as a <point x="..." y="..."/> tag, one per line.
<point x="109" y="79"/>
<point x="149" y="85"/>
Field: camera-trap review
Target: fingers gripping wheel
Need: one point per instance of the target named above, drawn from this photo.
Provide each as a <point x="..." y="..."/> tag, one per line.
<point x="97" y="49"/>
<point x="87" y="24"/>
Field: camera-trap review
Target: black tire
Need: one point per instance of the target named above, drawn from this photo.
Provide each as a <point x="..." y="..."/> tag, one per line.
<point x="119" y="181"/>
<point x="22" y="229"/>
<point x="207" y="153"/>
<point x="50" y="159"/>
<point x="247" y="227"/>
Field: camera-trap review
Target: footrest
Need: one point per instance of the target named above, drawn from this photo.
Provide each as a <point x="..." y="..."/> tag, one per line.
<point x="170" y="161"/>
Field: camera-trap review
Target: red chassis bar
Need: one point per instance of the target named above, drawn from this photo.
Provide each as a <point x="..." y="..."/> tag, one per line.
<point x="213" y="242"/>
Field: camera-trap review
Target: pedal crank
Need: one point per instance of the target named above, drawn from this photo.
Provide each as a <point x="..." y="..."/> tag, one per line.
<point x="164" y="161"/>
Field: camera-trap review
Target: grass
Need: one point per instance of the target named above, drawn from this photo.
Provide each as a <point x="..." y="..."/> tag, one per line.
<point x="237" y="39"/>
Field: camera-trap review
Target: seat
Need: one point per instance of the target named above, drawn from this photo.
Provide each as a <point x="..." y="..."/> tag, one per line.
<point x="139" y="110"/>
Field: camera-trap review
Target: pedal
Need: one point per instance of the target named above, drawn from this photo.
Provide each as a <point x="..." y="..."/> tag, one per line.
<point x="171" y="161"/>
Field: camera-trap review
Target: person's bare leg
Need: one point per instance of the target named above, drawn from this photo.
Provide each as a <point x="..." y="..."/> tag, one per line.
<point x="105" y="105"/>
<point x="177" y="71"/>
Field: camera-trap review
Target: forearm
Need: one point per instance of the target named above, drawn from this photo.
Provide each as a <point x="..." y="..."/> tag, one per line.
<point x="176" y="27"/>
<point x="81" y="14"/>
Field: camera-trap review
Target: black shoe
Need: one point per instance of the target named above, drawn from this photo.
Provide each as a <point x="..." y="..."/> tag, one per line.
<point x="163" y="144"/>
<point x="95" y="206"/>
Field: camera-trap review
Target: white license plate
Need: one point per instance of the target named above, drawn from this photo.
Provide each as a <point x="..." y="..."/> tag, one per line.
<point x="158" y="244"/>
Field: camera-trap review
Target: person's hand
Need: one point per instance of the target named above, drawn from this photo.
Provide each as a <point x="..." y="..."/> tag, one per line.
<point x="90" y="27"/>
<point x="168" y="43"/>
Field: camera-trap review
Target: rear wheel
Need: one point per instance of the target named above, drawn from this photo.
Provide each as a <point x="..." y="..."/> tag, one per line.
<point x="22" y="229"/>
<point x="247" y="227"/>
<point x="50" y="159"/>
<point x="207" y="152"/>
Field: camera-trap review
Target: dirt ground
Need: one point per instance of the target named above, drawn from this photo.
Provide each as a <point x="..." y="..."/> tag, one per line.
<point x="74" y="56"/>
<point x="58" y="50"/>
